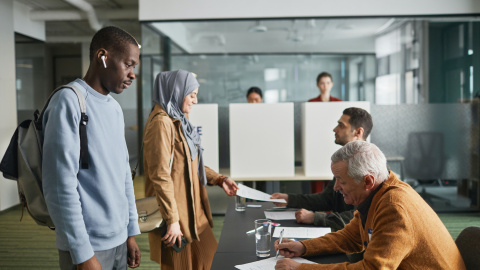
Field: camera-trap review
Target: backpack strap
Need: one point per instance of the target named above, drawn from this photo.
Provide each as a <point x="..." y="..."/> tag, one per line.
<point x="83" y="126"/>
<point x="83" y="121"/>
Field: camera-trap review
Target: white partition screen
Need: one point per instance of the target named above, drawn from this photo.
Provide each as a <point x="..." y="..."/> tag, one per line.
<point x="318" y="139"/>
<point x="205" y="119"/>
<point x="262" y="140"/>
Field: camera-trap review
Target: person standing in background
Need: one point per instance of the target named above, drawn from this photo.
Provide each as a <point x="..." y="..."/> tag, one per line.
<point x="325" y="84"/>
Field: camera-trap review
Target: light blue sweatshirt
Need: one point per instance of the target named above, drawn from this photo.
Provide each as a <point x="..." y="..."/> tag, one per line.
<point x="93" y="209"/>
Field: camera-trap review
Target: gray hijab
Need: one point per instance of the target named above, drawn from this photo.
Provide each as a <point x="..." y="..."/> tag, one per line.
<point x="169" y="90"/>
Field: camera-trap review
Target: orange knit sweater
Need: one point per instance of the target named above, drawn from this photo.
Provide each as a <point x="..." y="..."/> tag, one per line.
<point x="405" y="233"/>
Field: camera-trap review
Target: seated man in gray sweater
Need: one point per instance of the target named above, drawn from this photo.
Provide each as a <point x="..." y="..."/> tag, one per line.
<point x="355" y="124"/>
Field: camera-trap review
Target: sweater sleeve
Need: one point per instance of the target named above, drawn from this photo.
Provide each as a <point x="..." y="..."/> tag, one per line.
<point x="391" y="241"/>
<point x="158" y="139"/>
<point x="133" y="228"/>
<point x="61" y="153"/>
<point x="315" y="202"/>
<point x="347" y="240"/>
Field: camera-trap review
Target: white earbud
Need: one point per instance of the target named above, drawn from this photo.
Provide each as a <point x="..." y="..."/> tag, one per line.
<point x="103" y="59"/>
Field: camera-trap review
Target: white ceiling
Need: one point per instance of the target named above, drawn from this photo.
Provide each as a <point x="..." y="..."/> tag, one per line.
<point x="66" y="23"/>
<point x="121" y="13"/>
<point x="278" y="36"/>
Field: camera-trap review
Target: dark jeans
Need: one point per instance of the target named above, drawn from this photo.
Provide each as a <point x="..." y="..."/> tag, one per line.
<point x="115" y="258"/>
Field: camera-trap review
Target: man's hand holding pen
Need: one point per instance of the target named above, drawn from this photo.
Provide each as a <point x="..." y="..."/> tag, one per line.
<point x="288" y="248"/>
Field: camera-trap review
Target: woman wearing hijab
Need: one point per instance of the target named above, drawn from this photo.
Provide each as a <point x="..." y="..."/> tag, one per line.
<point x="176" y="175"/>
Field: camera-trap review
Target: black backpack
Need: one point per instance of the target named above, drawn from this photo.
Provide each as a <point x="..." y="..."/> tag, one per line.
<point x="23" y="160"/>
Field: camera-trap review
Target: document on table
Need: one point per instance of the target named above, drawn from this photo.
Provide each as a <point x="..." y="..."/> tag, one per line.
<point x="268" y="264"/>
<point x="254" y="194"/>
<point x="301" y="232"/>
<point x="277" y="215"/>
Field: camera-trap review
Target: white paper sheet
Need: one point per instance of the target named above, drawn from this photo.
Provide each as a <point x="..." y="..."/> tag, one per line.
<point x="301" y="232"/>
<point x="254" y="194"/>
<point x="280" y="215"/>
<point x="267" y="264"/>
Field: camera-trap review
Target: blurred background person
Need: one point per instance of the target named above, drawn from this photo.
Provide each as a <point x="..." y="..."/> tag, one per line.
<point x="254" y="95"/>
<point x="325" y="85"/>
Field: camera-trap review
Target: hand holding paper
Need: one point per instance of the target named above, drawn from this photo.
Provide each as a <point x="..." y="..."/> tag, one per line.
<point x="253" y="194"/>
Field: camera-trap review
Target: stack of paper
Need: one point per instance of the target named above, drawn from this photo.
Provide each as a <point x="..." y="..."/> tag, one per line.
<point x="277" y="215"/>
<point x="267" y="264"/>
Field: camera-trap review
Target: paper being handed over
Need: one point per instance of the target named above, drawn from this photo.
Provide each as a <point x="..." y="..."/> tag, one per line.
<point x="254" y="194"/>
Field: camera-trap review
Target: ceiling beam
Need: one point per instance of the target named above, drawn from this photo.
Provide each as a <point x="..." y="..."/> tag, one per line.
<point x="90" y="12"/>
<point x="76" y="15"/>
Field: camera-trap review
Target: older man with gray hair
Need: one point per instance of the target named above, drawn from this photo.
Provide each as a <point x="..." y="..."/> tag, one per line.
<point x="395" y="227"/>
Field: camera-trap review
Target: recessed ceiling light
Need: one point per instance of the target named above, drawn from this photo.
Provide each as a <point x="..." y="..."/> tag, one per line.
<point x="258" y="28"/>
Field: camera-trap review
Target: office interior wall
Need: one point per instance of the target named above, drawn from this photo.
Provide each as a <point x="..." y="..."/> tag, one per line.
<point x="8" y="107"/>
<point x="23" y="25"/>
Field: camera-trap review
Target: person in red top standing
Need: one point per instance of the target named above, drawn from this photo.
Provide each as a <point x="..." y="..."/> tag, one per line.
<point x="325" y="84"/>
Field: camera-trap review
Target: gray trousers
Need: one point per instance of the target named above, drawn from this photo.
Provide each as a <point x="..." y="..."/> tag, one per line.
<point x="111" y="259"/>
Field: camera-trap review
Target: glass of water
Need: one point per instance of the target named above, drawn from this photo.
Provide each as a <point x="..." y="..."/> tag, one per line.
<point x="240" y="204"/>
<point x="263" y="229"/>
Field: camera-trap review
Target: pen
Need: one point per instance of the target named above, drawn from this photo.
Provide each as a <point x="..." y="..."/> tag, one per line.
<point x="279" y="242"/>
<point x="273" y="224"/>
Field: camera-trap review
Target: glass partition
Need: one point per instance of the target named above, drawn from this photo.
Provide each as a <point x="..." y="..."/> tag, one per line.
<point x="418" y="73"/>
<point x="30" y="76"/>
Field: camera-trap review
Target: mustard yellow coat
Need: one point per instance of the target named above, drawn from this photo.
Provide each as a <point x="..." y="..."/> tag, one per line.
<point x="401" y="232"/>
<point x="179" y="194"/>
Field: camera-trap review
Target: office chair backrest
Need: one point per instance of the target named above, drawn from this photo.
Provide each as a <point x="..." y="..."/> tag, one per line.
<point x="468" y="243"/>
<point x="425" y="158"/>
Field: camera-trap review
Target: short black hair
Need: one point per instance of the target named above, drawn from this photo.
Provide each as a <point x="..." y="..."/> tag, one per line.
<point x="324" y="74"/>
<point x="254" y="89"/>
<point x="360" y="118"/>
<point x="111" y="38"/>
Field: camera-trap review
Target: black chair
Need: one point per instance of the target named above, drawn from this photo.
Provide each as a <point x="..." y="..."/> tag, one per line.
<point x="425" y="161"/>
<point x="468" y="243"/>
